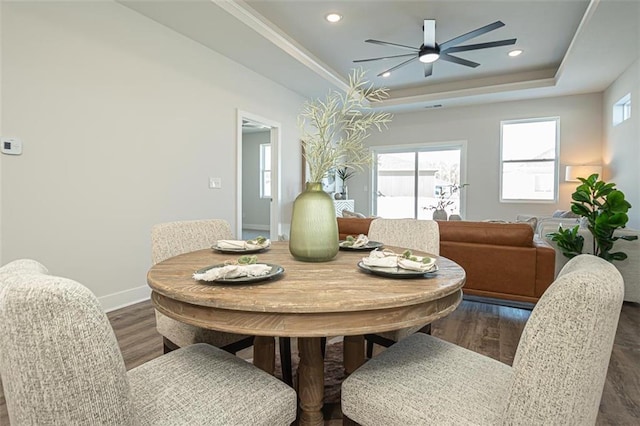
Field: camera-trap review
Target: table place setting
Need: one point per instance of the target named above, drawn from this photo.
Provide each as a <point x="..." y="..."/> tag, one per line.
<point x="245" y="270"/>
<point x="241" y="246"/>
<point x="361" y="242"/>
<point x="390" y="264"/>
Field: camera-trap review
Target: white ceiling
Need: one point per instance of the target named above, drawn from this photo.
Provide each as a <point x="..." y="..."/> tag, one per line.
<point x="570" y="46"/>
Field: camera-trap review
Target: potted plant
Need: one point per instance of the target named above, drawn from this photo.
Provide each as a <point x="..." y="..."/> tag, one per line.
<point x="444" y="201"/>
<point x="333" y="133"/>
<point x="345" y="174"/>
<point x="604" y="208"/>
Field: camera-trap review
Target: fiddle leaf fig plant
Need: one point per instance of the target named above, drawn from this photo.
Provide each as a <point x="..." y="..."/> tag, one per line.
<point x="605" y="210"/>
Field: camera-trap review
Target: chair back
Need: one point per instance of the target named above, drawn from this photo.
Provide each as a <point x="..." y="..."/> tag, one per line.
<point x="60" y="361"/>
<point x="413" y="234"/>
<point x="561" y="362"/>
<point x="174" y="238"/>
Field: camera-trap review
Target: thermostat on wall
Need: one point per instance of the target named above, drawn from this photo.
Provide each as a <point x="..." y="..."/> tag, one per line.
<point x="11" y="146"/>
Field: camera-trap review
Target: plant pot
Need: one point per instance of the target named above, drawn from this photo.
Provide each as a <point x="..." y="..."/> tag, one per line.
<point x="314" y="228"/>
<point x="439" y="215"/>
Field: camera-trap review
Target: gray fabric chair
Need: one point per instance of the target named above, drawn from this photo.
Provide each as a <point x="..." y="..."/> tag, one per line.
<point x="413" y="234"/>
<point x="17" y="266"/>
<point x="174" y="238"/>
<point x="61" y="364"/>
<point x="557" y="377"/>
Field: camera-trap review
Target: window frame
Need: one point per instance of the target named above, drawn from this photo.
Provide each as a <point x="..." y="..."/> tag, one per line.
<point x="556" y="161"/>
<point x="416" y="148"/>
<point x="264" y="168"/>
<point x="621" y="110"/>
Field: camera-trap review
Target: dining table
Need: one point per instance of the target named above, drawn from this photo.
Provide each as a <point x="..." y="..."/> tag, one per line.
<point x="307" y="300"/>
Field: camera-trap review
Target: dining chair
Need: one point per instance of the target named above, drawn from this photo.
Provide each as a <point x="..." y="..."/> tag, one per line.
<point x="412" y="234"/>
<point x="61" y="364"/>
<point x="557" y="376"/>
<point x="16" y="266"/>
<point x="174" y="238"/>
<point x="171" y="239"/>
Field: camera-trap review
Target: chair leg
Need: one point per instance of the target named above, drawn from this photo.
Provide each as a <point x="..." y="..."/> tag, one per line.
<point x="426" y="329"/>
<point x="168" y="345"/>
<point x="285" y="360"/>
<point x="323" y="345"/>
<point x="346" y="421"/>
<point x="369" y="349"/>
<point x="234" y="347"/>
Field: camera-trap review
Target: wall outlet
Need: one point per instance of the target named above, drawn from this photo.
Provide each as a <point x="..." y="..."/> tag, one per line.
<point x="215" y="183"/>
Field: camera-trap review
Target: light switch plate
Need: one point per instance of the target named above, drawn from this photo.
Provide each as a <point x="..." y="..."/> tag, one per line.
<point x="215" y="183"/>
<point x="11" y="146"/>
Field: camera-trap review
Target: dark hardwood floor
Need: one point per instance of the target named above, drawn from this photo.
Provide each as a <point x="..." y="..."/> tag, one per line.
<point x="489" y="329"/>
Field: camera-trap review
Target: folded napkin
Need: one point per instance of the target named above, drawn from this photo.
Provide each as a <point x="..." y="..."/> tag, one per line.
<point x="418" y="265"/>
<point x="233" y="271"/>
<point x="384" y="258"/>
<point x="389" y="259"/>
<point x="361" y="241"/>
<point x="242" y="245"/>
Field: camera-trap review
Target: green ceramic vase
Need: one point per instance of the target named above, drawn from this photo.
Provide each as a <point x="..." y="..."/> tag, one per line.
<point x="314" y="228"/>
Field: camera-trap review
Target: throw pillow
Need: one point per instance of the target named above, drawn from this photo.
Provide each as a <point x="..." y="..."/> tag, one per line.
<point x="347" y="213"/>
<point x="532" y="221"/>
<point x="569" y="214"/>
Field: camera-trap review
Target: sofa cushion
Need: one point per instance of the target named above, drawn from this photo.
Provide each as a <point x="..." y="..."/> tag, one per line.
<point x="504" y="234"/>
<point x="353" y="226"/>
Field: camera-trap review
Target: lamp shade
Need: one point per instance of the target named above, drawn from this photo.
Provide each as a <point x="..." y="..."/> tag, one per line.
<point x="574" y="172"/>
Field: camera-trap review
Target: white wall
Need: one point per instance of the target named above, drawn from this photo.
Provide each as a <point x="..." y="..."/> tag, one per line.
<point x="580" y="143"/>
<point x="621" y="148"/>
<point x="122" y="122"/>
<point x="255" y="210"/>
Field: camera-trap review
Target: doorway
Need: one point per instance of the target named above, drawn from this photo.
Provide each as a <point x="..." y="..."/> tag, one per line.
<point x="258" y="166"/>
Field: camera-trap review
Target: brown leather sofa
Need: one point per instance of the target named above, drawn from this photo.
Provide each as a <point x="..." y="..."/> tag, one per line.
<point x="502" y="260"/>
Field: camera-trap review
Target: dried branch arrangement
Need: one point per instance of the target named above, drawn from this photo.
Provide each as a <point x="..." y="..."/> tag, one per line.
<point x="334" y="129"/>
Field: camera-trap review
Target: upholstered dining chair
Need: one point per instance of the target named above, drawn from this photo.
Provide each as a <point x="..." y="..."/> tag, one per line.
<point x="174" y="238"/>
<point x="61" y="364"/>
<point x="17" y="266"/>
<point x="557" y="376"/>
<point x="412" y="234"/>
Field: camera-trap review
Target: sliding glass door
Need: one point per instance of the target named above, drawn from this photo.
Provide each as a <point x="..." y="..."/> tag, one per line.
<point x="411" y="182"/>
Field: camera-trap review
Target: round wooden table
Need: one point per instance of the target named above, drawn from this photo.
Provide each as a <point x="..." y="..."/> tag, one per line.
<point x="308" y="301"/>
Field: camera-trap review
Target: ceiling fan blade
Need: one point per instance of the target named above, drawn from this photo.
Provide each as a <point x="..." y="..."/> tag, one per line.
<point x="481" y="45"/>
<point x="428" y="69"/>
<point x="386" y="43"/>
<point x="456" y="60"/>
<point x="471" y="34"/>
<point x="429" y="32"/>
<point x="384" y="57"/>
<point x="397" y="66"/>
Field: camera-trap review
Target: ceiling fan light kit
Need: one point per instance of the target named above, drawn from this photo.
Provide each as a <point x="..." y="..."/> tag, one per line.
<point x="430" y="51"/>
<point x="429" y="54"/>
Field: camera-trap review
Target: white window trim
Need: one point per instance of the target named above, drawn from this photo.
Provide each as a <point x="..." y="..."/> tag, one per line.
<point x="263" y="169"/>
<point x="421" y="147"/>
<point x="556" y="169"/>
<point x="621" y="110"/>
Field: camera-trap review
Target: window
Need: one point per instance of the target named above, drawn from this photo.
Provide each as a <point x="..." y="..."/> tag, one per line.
<point x="408" y="182"/>
<point x="622" y="109"/>
<point x="529" y="153"/>
<point x="265" y="170"/>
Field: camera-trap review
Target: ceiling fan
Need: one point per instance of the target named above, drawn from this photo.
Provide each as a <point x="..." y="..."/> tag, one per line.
<point x="430" y="51"/>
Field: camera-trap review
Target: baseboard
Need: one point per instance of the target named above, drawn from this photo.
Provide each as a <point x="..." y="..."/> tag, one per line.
<point x="255" y="227"/>
<point x="503" y="302"/>
<point x="118" y="300"/>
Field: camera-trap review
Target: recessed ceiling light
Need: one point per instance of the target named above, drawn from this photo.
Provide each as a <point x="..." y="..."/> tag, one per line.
<point x="333" y="17"/>
<point x="386" y="74"/>
<point x="515" y="53"/>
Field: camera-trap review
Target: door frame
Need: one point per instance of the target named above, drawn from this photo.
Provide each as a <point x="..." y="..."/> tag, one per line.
<point x="275" y="227"/>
